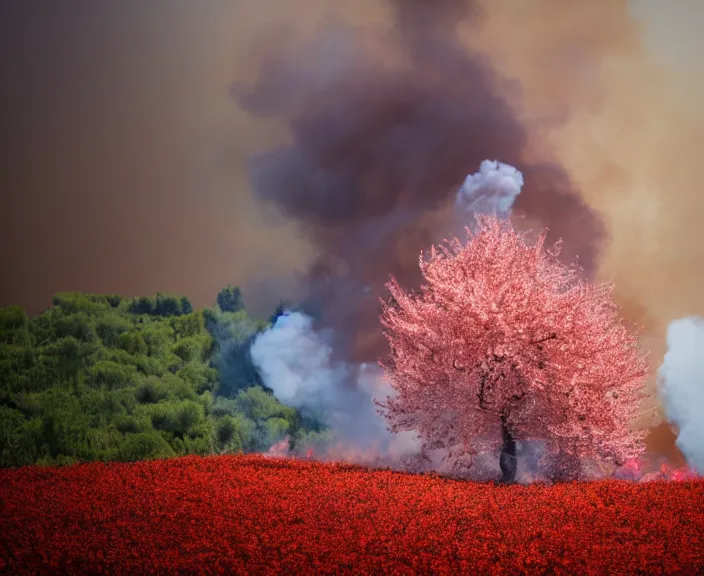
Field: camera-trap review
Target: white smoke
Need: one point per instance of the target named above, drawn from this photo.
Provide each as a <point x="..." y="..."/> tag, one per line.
<point x="295" y="361"/>
<point x="681" y="386"/>
<point x="491" y="190"/>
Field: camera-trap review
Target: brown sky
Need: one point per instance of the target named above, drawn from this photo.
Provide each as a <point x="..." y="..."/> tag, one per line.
<point x="121" y="153"/>
<point x="122" y="158"/>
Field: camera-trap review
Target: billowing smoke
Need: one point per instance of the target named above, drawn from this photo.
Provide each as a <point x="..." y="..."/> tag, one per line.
<point x="296" y="362"/>
<point x="382" y="132"/>
<point x="681" y="383"/>
<point x="492" y="190"/>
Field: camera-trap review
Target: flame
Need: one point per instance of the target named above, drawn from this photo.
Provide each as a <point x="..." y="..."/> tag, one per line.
<point x="279" y="450"/>
<point x="645" y="470"/>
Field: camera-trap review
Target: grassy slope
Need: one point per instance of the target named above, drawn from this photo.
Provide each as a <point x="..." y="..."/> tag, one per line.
<point x="253" y="515"/>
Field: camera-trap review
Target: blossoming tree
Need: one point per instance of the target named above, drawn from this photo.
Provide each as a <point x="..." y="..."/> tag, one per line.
<point x="505" y="343"/>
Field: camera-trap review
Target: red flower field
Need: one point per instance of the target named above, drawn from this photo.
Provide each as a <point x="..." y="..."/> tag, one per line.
<point x="256" y="515"/>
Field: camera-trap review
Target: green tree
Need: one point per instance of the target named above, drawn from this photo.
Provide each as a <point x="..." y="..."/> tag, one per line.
<point x="187" y="415"/>
<point x="234" y="433"/>
<point x="112" y="375"/>
<point x="167" y="305"/>
<point x="188" y="325"/>
<point x="64" y="424"/>
<point x="230" y="299"/>
<point x="12" y="320"/>
<point x="133" y="343"/>
<point x="144" y="446"/>
<point x="151" y="391"/>
<point x="258" y="404"/>
<point x="142" y="305"/>
<point x="188" y="349"/>
<point x="234" y="334"/>
<point x="98" y="377"/>
<point x="110" y="327"/>
<point x="200" y="377"/>
<point x="75" y="302"/>
<point x="186" y="306"/>
<point x="158" y="338"/>
<point x="18" y="438"/>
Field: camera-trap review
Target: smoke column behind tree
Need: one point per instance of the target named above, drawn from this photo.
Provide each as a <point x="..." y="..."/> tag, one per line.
<point x="382" y="133"/>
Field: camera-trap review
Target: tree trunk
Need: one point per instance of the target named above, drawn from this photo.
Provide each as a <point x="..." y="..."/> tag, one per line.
<point x="507" y="460"/>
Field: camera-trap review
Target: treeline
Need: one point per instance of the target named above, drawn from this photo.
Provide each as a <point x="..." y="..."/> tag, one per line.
<point x="100" y="377"/>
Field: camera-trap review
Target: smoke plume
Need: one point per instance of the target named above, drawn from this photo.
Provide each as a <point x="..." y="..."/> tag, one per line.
<point x="681" y="379"/>
<point x="493" y="189"/>
<point x="382" y="133"/>
<point x="296" y="362"/>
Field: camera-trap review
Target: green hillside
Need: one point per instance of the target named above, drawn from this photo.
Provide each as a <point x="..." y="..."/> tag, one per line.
<point x="99" y="377"/>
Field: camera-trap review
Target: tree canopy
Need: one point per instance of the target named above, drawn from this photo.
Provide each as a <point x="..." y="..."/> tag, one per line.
<point x="504" y="342"/>
<point x="102" y="377"/>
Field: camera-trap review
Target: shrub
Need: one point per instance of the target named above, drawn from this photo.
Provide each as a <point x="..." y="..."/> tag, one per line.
<point x="144" y="446"/>
<point x="230" y="299"/>
<point x="189" y="349"/>
<point x="133" y="343"/>
<point x="112" y="375"/>
<point x="151" y="391"/>
<point x="74" y="302"/>
<point x="18" y="438"/>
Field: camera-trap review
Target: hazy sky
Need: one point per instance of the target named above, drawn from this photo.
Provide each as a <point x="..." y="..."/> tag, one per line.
<point x="120" y="150"/>
<point x="122" y="158"/>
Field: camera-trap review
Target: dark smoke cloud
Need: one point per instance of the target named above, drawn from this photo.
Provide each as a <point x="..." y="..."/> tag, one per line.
<point x="378" y="148"/>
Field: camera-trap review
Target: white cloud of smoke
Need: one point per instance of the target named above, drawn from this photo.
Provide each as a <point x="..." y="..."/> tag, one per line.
<point x="491" y="190"/>
<point x="296" y="362"/>
<point x="681" y="386"/>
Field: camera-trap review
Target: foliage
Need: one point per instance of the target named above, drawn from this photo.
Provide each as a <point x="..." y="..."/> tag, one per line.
<point x="234" y="334"/>
<point x="230" y="299"/>
<point x="143" y="446"/>
<point x="505" y="342"/>
<point x="262" y="419"/>
<point x="162" y="305"/>
<point x="110" y="378"/>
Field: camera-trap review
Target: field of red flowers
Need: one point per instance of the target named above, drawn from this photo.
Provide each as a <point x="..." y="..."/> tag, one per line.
<point x="255" y="515"/>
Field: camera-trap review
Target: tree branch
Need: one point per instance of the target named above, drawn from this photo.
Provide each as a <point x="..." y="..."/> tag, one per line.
<point x="552" y="336"/>
<point x="482" y="384"/>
